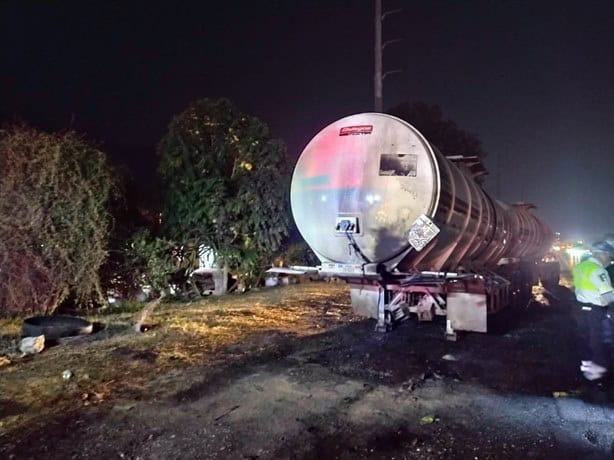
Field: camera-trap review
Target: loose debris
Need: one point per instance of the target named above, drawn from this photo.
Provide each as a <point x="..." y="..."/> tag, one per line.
<point x="565" y="394"/>
<point x="428" y="419"/>
<point x="221" y="416"/>
<point x="140" y="325"/>
<point x="32" y="345"/>
<point x="449" y="357"/>
<point x="124" y="407"/>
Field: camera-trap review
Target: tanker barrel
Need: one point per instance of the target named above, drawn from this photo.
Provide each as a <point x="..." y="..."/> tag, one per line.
<point x="370" y="189"/>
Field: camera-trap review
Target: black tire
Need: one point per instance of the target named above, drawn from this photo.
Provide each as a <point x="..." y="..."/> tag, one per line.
<point x="55" y="327"/>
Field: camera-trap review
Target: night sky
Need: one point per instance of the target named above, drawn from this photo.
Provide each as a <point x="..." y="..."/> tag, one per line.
<point x="533" y="80"/>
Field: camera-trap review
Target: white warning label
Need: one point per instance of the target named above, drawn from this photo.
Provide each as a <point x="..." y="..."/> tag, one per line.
<point x="422" y="231"/>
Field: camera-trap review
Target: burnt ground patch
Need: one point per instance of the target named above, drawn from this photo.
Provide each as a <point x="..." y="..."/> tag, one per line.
<point x="348" y="392"/>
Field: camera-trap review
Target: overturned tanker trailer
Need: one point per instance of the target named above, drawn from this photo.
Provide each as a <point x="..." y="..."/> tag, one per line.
<point x="410" y="229"/>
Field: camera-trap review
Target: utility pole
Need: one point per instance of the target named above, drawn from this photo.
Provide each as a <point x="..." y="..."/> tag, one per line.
<point x="378" y="81"/>
<point x="378" y="87"/>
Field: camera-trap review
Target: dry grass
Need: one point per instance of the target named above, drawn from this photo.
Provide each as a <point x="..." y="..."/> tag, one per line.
<point x="120" y="363"/>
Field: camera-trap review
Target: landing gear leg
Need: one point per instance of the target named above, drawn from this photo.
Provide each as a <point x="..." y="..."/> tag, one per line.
<point x="451" y="334"/>
<point x="384" y="316"/>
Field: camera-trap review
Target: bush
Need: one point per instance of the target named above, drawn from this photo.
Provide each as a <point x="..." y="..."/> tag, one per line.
<point x="54" y="220"/>
<point x="297" y="254"/>
<point x="159" y="262"/>
<point x="225" y="186"/>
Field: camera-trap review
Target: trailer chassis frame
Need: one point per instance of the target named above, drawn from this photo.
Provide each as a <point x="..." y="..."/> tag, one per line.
<point x="464" y="298"/>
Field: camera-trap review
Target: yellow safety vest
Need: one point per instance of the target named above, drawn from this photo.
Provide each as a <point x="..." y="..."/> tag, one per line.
<point x="591" y="281"/>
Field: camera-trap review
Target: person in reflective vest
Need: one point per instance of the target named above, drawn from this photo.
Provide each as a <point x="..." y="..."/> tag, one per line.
<point x="594" y="293"/>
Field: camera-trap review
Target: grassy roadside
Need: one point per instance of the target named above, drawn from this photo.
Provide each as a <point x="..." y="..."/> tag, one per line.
<point x="120" y="364"/>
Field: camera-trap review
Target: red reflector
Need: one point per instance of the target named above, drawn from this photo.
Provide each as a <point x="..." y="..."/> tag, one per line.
<point x="353" y="130"/>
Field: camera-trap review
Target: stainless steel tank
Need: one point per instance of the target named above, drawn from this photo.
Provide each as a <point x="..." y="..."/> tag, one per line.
<point x="366" y="181"/>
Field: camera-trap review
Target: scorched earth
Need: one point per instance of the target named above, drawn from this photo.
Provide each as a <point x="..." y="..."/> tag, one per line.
<point x="291" y="373"/>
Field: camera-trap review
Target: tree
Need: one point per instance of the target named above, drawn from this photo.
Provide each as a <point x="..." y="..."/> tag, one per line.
<point x="443" y="133"/>
<point x="54" y="221"/>
<point x="224" y="185"/>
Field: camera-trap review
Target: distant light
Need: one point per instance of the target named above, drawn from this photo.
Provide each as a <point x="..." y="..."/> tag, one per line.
<point x="578" y="252"/>
<point x="373" y="198"/>
<point x="324" y="198"/>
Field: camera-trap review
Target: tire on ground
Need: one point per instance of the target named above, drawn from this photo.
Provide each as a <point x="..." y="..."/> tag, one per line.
<point x="55" y="327"/>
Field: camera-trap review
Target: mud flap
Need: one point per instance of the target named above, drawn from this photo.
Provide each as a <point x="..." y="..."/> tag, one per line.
<point x="466" y="312"/>
<point x="370" y="301"/>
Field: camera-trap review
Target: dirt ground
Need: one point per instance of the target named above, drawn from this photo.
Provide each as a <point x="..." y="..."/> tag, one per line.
<point x="291" y="373"/>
